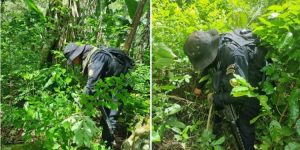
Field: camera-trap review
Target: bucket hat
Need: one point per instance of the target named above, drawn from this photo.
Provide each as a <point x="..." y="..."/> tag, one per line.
<point x="202" y="48"/>
<point x="72" y="50"/>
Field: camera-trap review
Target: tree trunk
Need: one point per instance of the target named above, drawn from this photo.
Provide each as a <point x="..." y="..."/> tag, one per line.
<point x="136" y="21"/>
<point x="56" y="37"/>
<point x="46" y="54"/>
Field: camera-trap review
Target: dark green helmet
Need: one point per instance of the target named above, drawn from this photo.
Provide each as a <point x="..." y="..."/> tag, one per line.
<point x="202" y="48"/>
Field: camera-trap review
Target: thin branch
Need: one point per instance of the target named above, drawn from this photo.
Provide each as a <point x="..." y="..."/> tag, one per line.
<point x="283" y="114"/>
<point x="180" y="99"/>
<point x="209" y="119"/>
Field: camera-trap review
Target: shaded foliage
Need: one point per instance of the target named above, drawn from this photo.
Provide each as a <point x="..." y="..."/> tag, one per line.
<point x="41" y="97"/>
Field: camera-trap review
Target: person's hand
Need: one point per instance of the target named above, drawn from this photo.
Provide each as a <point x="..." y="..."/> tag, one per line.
<point x="197" y="92"/>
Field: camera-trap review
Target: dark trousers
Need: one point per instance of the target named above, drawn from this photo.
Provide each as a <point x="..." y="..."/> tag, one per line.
<point x="248" y="110"/>
<point x="112" y="117"/>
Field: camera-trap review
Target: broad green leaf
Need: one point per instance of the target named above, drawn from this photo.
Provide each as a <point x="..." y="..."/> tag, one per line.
<point x="185" y="134"/>
<point x="79" y="137"/>
<point x="298" y="127"/>
<point x="275" y="131"/>
<point x="98" y="8"/>
<point x="218" y="147"/>
<point x="294" y="105"/>
<point x="146" y="7"/>
<point x="268" y="88"/>
<point x="276" y="8"/>
<point x="257" y="117"/>
<point x="241" y="80"/>
<point x="173" y="122"/>
<point x="238" y="91"/>
<point x="273" y="15"/>
<point x="176" y="130"/>
<point x="56" y="146"/>
<point x="68" y="80"/>
<point x="33" y="7"/>
<point x="50" y="82"/>
<point x="76" y="126"/>
<point x="292" y="146"/>
<point x="26" y="105"/>
<point x="266" y="143"/>
<point x="287" y="40"/>
<point x="117" y="5"/>
<point x="175" y="108"/>
<point x="187" y="78"/>
<point x="27" y="76"/>
<point x="164" y="51"/>
<point x="287" y="131"/>
<point x="168" y="87"/>
<point x="178" y="137"/>
<point x="263" y="102"/>
<point x="238" y="19"/>
<point x="131" y="7"/>
<point x="66" y="124"/>
<point x="219" y="141"/>
<point x="155" y="136"/>
<point x="204" y="78"/>
<point x="206" y="135"/>
<point x="264" y="21"/>
<point x="161" y="62"/>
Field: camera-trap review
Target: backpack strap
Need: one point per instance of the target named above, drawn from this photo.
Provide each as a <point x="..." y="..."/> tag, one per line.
<point x="87" y="60"/>
<point x="221" y="44"/>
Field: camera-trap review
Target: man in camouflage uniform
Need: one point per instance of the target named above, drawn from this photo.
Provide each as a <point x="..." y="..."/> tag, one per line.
<point x="99" y="63"/>
<point x="236" y="52"/>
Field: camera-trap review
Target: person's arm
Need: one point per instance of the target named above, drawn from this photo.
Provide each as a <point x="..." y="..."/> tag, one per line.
<point x="96" y="69"/>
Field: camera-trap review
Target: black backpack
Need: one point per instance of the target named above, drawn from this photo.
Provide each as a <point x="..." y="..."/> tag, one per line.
<point x="118" y="58"/>
<point x="246" y="40"/>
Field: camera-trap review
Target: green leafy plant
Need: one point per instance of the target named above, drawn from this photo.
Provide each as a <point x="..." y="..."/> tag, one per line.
<point x="243" y="88"/>
<point x="276" y="23"/>
<point x="41" y="96"/>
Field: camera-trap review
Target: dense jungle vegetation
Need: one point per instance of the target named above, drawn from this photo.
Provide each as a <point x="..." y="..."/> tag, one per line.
<point x="179" y="117"/>
<point x="42" y="105"/>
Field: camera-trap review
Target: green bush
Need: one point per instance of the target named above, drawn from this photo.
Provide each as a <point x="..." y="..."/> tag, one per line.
<point x="277" y="25"/>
